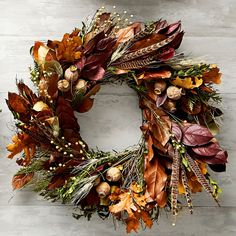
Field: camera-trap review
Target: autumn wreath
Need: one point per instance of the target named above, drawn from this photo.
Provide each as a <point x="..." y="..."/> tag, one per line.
<point x="179" y="121"/>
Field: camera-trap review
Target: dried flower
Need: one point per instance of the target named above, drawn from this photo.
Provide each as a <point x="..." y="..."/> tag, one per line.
<point x="81" y="86"/>
<point x="63" y="85"/>
<point x="71" y="74"/>
<point x="174" y="93"/>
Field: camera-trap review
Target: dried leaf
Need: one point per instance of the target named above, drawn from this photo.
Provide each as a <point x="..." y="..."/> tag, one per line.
<point x="132" y="223"/>
<point x="212" y="76"/>
<point x="16" y="103"/>
<point x="21" y="180"/>
<point x="194" y="135"/>
<point x="155" y="178"/>
<point x="163" y="74"/>
<point x="176" y="130"/>
<point x="161" y="99"/>
<point x="127" y="33"/>
<point x="188" y="82"/>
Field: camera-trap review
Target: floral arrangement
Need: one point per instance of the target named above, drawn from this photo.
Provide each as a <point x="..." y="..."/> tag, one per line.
<point x="179" y="121"/>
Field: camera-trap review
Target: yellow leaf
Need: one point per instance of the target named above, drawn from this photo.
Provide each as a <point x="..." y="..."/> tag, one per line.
<point x="188" y="82"/>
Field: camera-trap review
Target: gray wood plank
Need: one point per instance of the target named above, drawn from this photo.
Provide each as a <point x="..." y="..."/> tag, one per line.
<point x="57" y="221"/>
<point x="49" y="18"/>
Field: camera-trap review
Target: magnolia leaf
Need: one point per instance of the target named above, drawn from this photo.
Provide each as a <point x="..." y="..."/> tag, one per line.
<point x="16" y="103"/>
<point x="210" y="150"/>
<point x="21" y="180"/>
<point x="194" y="135"/>
<point x="176" y="130"/>
<point x="162" y="74"/>
<point x="188" y="82"/>
<point x="155" y="178"/>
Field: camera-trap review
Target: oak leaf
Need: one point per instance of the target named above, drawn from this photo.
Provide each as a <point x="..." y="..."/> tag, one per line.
<point x="188" y="82"/>
<point x="21" y="180"/>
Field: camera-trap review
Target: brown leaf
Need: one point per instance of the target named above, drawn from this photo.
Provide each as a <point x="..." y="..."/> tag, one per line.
<point x="212" y="76"/>
<point x="162" y="74"/>
<point x="149" y="147"/>
<point x="21" y="180"/>
<point x="16" y="103"/>
<point x="155" y="178"/>
<point x="152" y="39"/>
<point x="85" y="105"/>
<point x="132" y="223"/>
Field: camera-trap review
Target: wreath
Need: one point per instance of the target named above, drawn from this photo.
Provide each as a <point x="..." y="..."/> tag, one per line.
<point x="179" y="121"/>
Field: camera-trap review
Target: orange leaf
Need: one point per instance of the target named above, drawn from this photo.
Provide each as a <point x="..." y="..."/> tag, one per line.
<point x="212" y="76"/>
<point x="132" y="223"/>
<point x="21" y="180"/>
<point x="155" y="178"/>
<point x="146" y="219"/>
<point x="149" y="147"/>
<point x="127" y="33"/>
<point x="162" y="74"/>
<point x="188" y="82"/>
<point x="152" y="39"/>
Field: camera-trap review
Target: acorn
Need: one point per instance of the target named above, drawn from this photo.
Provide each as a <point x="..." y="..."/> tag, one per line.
<point x="63" y="85"/>
<point x="103" y="189"/>
<point x="159" y="86"/>
<point x="170" y="105"/>
<point x="174" y="93"/>
<point x="113" y="174"/>
<point x="81" y="86"/>
<point x="71" y="74"/>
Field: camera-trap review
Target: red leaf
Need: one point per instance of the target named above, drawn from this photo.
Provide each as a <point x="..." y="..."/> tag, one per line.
<point x="161" y="99"/>
<point x="21" y="180"/>
<point x="16" y="103"/>
<point x="209" y="150"/>
<point x="194" y="135"/>
<point x="176" y="130"/>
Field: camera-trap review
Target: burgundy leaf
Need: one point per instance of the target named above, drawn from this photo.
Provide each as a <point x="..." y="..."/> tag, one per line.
<point x="161" y="99"/>
<point x="176" y="130"/>
<point x="95" y="73"/>
<point x="218" y="167"/>
<point x="80" y="63"/>
<point x="209" y="150"/>
<point x="167" y="55"/>
<point x="195" y="135"/>
<point x="106" y="44"/>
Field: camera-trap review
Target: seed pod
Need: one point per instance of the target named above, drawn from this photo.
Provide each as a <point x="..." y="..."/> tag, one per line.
<point x="103" y="189"/>
<point x="170" y="105"/>
<point x="174" y="93"/>
<point x="159" y="86"/>
<point x="81" y="86"/>
<point x="71" y="74"/>
<point x="63" y="85"/>
<point x="113" y="174"/>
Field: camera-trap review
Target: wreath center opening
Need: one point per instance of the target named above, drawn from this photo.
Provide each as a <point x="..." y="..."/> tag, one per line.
<point x="114" y="119"/>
